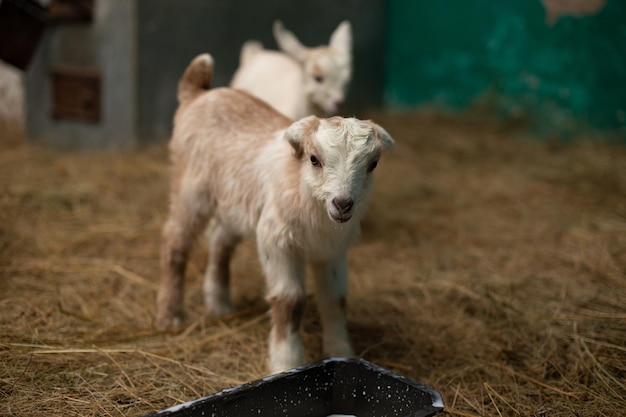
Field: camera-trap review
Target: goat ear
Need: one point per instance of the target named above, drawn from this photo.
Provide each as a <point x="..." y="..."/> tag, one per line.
<point x="381" y="134"/>
<point x="297" y="133"/>
<point x="341" y="38"/>
<point x="288" y="42"/>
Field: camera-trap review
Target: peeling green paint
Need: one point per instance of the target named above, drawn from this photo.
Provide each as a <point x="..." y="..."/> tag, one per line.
<point x="453" y="53"/>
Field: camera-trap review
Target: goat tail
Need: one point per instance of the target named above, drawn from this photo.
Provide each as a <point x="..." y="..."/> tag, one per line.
<point x="196" y="79"/>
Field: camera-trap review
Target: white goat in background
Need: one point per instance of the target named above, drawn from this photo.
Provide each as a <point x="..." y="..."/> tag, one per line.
<point x="301" y="188"/>
<point x="299" y="81"/>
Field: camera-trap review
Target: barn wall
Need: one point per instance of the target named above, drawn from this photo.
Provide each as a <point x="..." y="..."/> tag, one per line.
<point x="559" y="70"/>
<point x="142" y="47"/>
<point x="171" y="33"/>
<point x="558" y="64"/>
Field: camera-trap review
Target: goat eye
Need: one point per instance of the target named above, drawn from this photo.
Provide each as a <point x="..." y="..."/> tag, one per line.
<point x="314" y="161"/>
<point x="372" y="166"/>
<point x="319" y="79"/>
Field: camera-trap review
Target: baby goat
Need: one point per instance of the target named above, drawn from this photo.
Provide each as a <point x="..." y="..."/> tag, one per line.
<point x="244" y="169"/>
<point x="299" y="81"/>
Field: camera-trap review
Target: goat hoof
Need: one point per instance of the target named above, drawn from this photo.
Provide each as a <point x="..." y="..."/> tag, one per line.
<point x="170" y="321"/>
<point x="217" y="311"/>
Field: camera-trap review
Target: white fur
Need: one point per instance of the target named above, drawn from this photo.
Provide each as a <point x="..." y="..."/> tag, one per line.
<point x="301" y="188"/>
<point x="331" y="283"/>
<point x="287" y="354"/>
<point x="298" y="81"/>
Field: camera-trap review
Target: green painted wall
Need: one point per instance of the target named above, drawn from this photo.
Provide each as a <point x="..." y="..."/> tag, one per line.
<point x="453" y="53"/>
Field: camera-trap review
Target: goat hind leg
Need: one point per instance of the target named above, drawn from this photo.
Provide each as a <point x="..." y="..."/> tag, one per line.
<point x="222" y="244"/>
<point x="186" y="218"/>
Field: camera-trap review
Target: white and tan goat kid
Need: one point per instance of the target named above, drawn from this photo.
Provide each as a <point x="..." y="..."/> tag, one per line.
<point x="298" y="81"/>
<point x="301" y="188"/>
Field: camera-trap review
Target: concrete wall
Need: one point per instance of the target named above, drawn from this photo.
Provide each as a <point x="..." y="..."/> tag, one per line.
<point x="559" y="63"/>
<point x="107" y="44"/>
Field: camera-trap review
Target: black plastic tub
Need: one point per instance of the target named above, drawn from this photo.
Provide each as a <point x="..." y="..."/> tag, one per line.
<point x="341" y="386"/>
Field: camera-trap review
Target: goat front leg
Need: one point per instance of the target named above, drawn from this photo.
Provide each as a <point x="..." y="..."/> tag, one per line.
<point x="331" y="280"/>
<point x="287" y="298"/>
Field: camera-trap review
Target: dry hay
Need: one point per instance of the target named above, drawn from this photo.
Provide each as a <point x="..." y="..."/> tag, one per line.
<point x="491" y="268"/>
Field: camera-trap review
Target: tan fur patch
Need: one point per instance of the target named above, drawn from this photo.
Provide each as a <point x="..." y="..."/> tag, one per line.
<point x="286" y="315"/>
<point x="311" y="127"/>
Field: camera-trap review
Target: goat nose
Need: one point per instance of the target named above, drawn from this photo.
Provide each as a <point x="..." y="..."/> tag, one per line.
<point x="344" y="205"/>
<point x="338" y="104"/>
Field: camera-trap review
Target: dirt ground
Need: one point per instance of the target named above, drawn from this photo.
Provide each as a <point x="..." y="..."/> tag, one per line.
<point x="491" y="268"/>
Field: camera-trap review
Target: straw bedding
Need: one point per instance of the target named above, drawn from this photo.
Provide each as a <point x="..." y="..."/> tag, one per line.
<point x="491" y="268"/>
